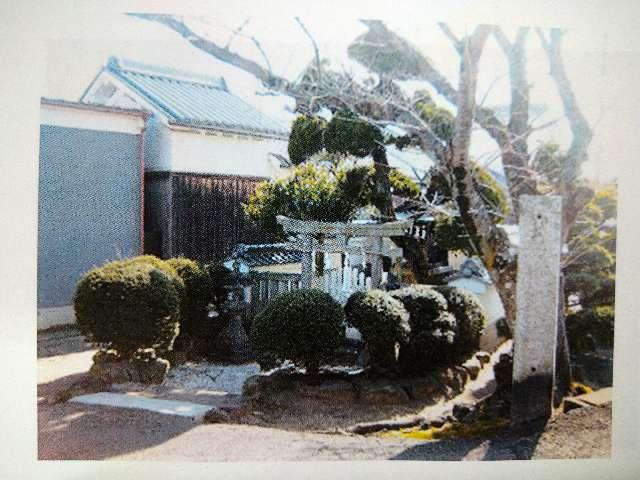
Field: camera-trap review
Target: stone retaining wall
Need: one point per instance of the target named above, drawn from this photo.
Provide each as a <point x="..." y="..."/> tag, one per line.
<point x="439" y="385"/>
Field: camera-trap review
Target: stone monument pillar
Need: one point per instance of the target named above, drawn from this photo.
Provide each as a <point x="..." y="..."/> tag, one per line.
<point x="536" y="328"/>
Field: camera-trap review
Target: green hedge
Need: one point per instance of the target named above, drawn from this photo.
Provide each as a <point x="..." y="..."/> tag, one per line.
<point x="383" y="322"/>
<point x="303" y="326"/>
<point x="198" y="295"/>
<point x="130" y="304"/>
<point x="470" y="318"/>
<point x="433" y="329"/>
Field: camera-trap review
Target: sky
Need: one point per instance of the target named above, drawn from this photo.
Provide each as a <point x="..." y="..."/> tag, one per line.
<point x="594" y="58"/>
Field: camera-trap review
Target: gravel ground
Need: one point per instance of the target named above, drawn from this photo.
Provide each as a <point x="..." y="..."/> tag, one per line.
<point x="210" y="376"/>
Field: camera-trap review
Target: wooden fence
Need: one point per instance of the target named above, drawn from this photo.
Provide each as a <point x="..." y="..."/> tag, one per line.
<point x="340" y="283"/>
<point x="267" y="285"/>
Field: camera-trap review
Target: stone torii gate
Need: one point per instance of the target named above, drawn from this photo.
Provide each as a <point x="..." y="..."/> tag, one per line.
<point x="333" y="237"/>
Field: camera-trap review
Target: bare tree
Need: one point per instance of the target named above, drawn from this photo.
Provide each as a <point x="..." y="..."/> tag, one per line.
<point x="574" y="198"/>
<point x="379" y="102"/>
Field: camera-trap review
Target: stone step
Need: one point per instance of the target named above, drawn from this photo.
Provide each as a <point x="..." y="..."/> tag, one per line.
<point x="599" y="398"/>
<point x="195" y="411"/>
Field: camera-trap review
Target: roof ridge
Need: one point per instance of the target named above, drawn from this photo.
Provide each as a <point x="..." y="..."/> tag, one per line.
<point x="123" y="64"/>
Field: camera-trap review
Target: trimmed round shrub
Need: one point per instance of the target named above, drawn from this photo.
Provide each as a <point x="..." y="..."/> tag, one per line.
<point x="431" y="345"/>
<point x="383" y="322"/>
<point x="202" y="312"/>
<point x="470" y="318"/>
<point x="305" y="138"/>
<point x="128" y="305"/>
<point x="303" y="326"/>
<point x="158" y="263"/>
<point x="433" y="329"/>
<point x="198" y="294"/>
<point x="421" y="301"/>
<point x="347" y="133"/>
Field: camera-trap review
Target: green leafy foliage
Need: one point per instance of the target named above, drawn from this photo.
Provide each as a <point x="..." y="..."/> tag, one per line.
<point x="590" y="328"/>
<point x="492" y="194"/>
<point x="311" y="192"/>
<point x="470" y="318"/>
<point x="403" y="185"/>
<point x="432" y="329"/>
<point x="421" y="301"/>
<point x="306" y="138"/>
<point x="348" y="134"/>
<point x="440" y="120"/>
<point x="383" y="322"/>
<point x="591" y="272"/>
<point x="198" y="294"/>
<point x="314" y="191"/>
<point x="206" y="288"/>
<point x="383" y="52"/>
<point x="128" y="305"/>
<point x="449" y="231"/>
<point x="302" y="326"/>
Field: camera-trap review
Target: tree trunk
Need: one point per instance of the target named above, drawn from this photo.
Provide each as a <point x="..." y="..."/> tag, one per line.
<point x="562" y="381"/>
<point x="492" y="243"/>
<point x="382" y="185"/>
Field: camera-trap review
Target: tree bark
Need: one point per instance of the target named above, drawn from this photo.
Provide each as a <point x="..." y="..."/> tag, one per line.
<point x="382" y="184"/>
<point x="515" y="151"/>
<point x="492" y="242"/>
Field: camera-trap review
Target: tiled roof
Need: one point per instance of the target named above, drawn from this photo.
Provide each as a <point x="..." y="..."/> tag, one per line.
<point x="265" y="254"/>
<point x="471" y="268"/>
<point x="194" y="100"/>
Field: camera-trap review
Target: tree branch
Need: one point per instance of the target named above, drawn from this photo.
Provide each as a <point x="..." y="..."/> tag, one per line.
<point x="236" y="32"/>
<point x="452" y="38"/>
<point x="215" y="50"/>
<point x="315" y="46"/>
<point x="580" y="129"/>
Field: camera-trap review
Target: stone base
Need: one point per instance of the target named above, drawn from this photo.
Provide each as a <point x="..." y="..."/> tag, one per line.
<point x="108" y="367"/>
<point x="364" y="388"/>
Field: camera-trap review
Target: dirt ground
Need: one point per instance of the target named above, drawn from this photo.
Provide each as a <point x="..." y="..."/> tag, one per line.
<point x="71" y="430"/>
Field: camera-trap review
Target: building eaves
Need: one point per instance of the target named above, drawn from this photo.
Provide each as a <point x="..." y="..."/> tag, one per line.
<point x="93" y="107"/>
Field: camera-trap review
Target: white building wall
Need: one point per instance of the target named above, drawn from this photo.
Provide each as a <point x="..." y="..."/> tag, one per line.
<point x="192" y="151"/>
<point x="157" y="146"/>
<point x="487" y="295"/>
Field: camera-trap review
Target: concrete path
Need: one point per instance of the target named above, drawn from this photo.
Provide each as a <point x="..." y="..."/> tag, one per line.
<point x="194" y="411"/>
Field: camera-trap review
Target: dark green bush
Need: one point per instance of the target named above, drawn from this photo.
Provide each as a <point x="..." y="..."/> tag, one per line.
<point x="161" y="265"/>
<point x="127" y="305"/>
<point x="383" y="322"/>
<point x="421" y="301"/>
<point x="202" y="314"/>
<point x="303" y="326"/>
<point x="306" y="138"/>
<point x="347" y="133"/>
<point x="433" y="329"/>
<point x="470" y="318"/>
<point x="198" y="294"/>
<point x="590" y="328"/>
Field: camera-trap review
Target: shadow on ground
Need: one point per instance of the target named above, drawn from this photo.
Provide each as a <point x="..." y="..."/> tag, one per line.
<point x="504" y="446"/>
<point x="61" y="341"/>
<point x="74" y="431"/>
